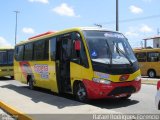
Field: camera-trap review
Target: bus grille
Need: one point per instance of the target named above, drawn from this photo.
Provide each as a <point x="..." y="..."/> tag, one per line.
<point x="121" y="90"/>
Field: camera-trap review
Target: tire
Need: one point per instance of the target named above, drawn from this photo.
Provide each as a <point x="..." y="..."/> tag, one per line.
<point x="151" y="73"/>
<point x="31" y="84"/>
<point x="12" y="77"/>
<point x="80" y="92"/>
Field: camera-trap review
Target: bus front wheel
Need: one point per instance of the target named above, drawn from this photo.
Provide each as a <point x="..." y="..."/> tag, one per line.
<point x="80" y="92"/>
<point x="151" y="73"/>
<point x="31" y="84"/>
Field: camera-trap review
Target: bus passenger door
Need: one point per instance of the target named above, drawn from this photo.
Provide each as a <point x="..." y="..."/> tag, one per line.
<point x="63" y="63"/>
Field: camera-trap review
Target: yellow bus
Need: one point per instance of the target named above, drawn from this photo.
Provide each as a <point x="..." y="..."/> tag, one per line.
<point x="149" y="61"/>
<point x="6" y="62"/>
<point x="89" y="63"/>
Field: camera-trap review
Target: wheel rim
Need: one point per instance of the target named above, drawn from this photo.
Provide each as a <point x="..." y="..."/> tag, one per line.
<point x="81" y="92"/>
<point x="151" y="74"/>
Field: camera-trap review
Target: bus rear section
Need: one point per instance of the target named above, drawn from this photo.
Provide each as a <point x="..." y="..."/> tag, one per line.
<point x="149" y="61"/>
<point x="6" y="62"/>
<point x="88" y="63"/>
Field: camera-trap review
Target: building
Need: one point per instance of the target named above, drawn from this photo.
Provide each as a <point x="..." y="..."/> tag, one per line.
<point x="156" y="41"/>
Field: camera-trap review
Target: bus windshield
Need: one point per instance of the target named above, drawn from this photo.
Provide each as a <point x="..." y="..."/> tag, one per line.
<point x="109" y="47"/>
<point x="3" y="57"/>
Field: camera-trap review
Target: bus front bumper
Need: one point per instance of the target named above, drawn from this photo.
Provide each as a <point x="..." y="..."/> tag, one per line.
<point x="112" y="90"/>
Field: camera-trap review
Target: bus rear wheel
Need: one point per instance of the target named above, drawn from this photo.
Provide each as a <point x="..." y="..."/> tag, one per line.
<point x="31" y="84"/>
<point x="151" y="73"/>
<point x="80" y="92"/>
<point x="12" y="77"/>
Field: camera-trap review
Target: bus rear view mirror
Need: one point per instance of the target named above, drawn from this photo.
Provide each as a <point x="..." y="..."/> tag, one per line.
<point x="77" y="45"/>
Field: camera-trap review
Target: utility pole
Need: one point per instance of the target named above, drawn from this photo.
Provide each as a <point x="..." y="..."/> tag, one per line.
<point x="158" y="31"/>
<point x="16" y="12"/>
<point x="117" y="16"/>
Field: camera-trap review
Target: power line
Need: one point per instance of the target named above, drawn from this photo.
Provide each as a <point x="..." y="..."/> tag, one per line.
<point x="133" y="19"/>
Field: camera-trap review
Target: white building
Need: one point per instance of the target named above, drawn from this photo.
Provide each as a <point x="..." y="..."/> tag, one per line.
<point x="156" y="41"/>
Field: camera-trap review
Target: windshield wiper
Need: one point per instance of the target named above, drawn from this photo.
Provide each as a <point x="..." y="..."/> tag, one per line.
<point x="124" y="54"/>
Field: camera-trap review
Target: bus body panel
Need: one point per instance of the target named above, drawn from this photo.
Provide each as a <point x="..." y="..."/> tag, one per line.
<point x="98" y="90"/>
<point x="146" y="66"/>
<point x="6" y="71"/>
<point x="17" y="72"/>
<point x="52" y="77"/>
<point x="43" y="73"/>
<point x="114" y="90"/>
<point x="79" y="72"/>
<point x="116" y="78"/>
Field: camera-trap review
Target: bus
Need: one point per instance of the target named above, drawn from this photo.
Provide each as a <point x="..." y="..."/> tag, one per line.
<point x="6" y="62"/>
<point x="90" y="63"/>
<point x="149" y="59"/>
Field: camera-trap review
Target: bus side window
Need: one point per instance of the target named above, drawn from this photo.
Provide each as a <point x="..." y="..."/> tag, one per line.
<point x="19" y="53"/>
<point x="53" y="48"/>
<point x="141" y="57"/>
<point x="38" y="50"/>
<point x="41" y="50"/>
<point x="46" y="50"/>
<point x="10" y="57"/>
<point x="153" y="57"/>
<point x="3" y="57"/>
<point x="81" y="55"/>
<point x="28" y="52"/>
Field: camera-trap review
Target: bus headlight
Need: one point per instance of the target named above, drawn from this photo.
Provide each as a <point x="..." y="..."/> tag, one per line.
<point x="138" y="78"/>
<point x="99" y="80"/>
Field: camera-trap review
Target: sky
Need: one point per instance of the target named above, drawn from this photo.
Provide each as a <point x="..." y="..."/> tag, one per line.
<point x="138" y="19"/>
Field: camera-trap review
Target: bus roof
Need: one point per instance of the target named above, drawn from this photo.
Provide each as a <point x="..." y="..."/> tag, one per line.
<point x="50" y="34"/>
<point x="147" y="50"/>
<point x="40" y="35"/>
<point x="6" y="48"/>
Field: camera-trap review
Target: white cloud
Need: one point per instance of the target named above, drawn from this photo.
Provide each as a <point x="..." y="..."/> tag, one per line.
<point x="65" y="10"/>
<point x="138" y="31"/>
<point x="4" y="43"/>
<point x="131" y="34"/>
<point x="28" y="30"/>
<point x="147" y="0"/>
<point x="135" y="34"/>
<point x="135" y="9"/>
<point x="40" y="1"/>
<point x="145" y="29"/>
